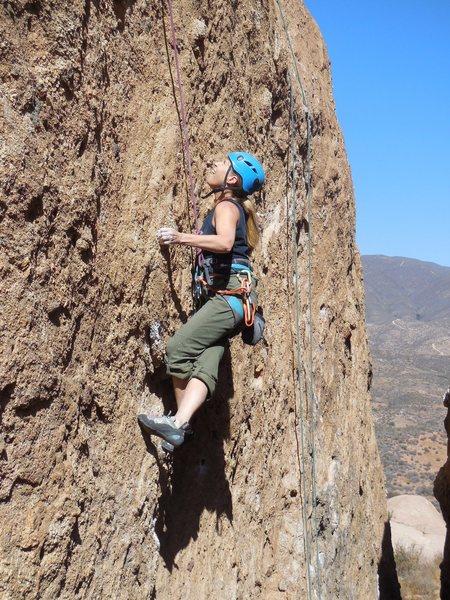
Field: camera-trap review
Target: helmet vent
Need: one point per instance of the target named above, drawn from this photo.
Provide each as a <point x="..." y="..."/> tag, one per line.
<point x="251" y="171"/>
<point x="251" y="166"/>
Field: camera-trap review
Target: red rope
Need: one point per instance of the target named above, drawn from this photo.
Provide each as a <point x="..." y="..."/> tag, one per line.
<point x="184" y="124"/>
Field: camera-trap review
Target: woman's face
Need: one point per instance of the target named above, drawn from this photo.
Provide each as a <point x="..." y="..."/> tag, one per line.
<point x="216" y="172"/>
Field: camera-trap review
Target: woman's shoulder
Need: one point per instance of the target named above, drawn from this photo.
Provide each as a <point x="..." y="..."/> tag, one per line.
<point x="227" y="209"/>
<point x="229" y="204"/>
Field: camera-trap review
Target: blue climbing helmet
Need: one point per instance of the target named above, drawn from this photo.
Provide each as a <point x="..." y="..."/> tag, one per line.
<point x="249" y="169"/>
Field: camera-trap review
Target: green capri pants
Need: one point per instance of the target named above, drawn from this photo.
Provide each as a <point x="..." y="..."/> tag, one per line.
<point x="198" y="347"/>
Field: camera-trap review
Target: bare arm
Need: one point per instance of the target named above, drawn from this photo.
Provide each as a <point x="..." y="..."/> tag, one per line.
<point x="226" y="218"/>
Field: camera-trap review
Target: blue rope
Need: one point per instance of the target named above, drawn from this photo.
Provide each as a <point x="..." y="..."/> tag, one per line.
<point x="311" y="393"/>
<point x="298" y="336"/>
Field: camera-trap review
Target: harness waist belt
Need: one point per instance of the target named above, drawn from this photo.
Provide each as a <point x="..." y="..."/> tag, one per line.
<point x="238" y="267"/>
<point x="215" y="263"/>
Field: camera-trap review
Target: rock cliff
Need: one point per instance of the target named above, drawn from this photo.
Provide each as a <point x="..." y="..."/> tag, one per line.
<point x="442" y="494"/>
<point x="91" y="167"/>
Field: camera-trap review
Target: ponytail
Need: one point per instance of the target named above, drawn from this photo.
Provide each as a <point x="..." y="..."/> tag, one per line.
<point x="252" y="223"/>
<point x="250" y="213"/>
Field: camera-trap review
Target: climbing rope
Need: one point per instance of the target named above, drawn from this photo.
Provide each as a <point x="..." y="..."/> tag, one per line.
<point x="184" y="123"/>
<point x="310" y="386"/>
<point x="297" y="333"/>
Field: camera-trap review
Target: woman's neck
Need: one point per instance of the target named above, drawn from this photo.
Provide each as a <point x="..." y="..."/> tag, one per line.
<point x="222" y="195"/>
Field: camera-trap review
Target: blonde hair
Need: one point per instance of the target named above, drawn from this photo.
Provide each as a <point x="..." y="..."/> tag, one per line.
<point x="250" y="211"/>
<point x="252" y="222"/>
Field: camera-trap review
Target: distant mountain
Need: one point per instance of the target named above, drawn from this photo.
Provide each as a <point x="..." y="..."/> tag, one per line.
<point x="408" y="324"/>
<point x="405" y="288"/>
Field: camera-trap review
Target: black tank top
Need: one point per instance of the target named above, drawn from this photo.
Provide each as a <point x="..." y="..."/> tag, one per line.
<point x="240" y="249"/>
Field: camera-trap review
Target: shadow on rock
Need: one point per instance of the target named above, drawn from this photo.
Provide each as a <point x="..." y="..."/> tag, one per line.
<point x="193" y="478"/>
<point x="389" y="587"/>
<point x="173" y="293"/>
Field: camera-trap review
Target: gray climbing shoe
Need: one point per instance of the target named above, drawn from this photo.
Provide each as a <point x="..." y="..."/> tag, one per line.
<point x="168" y="447"/>
<point x="165" y="428"/>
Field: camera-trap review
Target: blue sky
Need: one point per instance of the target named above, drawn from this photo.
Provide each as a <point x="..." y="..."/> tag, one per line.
<point x="390" y="65"/>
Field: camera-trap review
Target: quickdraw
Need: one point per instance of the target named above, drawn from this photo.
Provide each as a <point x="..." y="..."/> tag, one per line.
<point x="244" y="292"/>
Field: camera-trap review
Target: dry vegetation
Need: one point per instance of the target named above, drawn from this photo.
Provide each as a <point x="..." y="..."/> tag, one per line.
<point x="411" y="449"/>
<point x="419" y="578"/>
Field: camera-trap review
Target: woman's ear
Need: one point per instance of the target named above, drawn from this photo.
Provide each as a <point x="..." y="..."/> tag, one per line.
<point x="232" y="179"/>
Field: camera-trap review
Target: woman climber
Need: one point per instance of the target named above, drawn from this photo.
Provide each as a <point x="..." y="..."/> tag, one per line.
<point x="223" y="287"/>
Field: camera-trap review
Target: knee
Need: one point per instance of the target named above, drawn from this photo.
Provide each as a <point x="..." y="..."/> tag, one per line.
<point x="177" y="350"/>
<point x="171" y="348"/>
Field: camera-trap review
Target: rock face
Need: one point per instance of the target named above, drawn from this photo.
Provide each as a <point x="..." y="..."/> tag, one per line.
<point x="91" y="167"/>
<point x="442" y="494"/>
<point x="415" y="522"/>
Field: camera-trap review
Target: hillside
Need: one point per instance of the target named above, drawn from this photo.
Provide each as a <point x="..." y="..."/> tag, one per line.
<point x="405" y="288"/>
<point x="280" y="493"/>
<point x="408" y="322"/>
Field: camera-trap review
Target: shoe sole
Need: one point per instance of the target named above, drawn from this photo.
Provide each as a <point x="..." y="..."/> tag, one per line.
<point x="167" y="447"/>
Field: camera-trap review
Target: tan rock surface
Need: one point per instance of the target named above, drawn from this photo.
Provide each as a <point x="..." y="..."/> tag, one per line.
<point x="91" y="167"/>
<point x="415" y="522"/>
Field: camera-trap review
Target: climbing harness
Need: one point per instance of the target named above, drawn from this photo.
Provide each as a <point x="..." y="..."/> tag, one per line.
<point x="310" y="386"/>
<point x="243" y="291"/>
<point x="204" y="287"/>
<point x="248" y="319"/>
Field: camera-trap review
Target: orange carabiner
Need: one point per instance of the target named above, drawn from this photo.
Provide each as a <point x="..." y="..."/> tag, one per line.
<point x="249" y="312"/>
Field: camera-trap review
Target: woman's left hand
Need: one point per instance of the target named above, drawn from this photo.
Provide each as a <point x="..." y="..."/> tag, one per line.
<point x="167" y="236"/>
